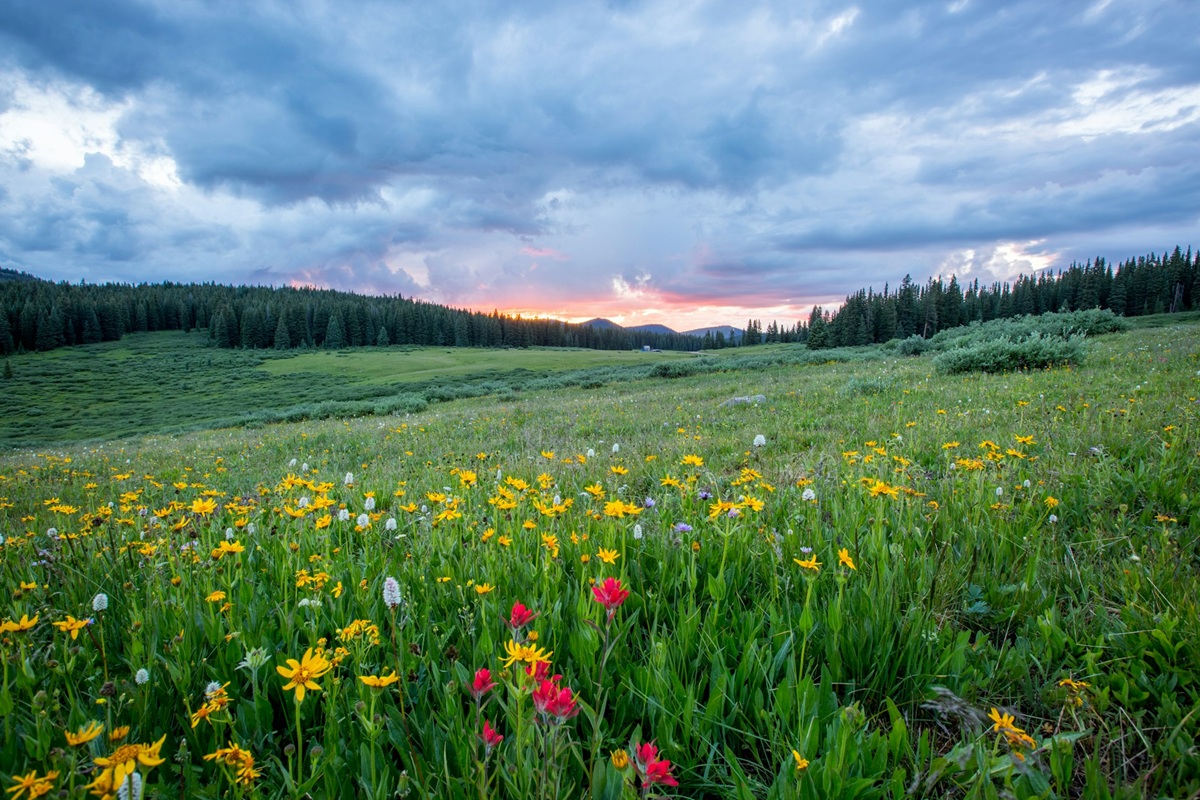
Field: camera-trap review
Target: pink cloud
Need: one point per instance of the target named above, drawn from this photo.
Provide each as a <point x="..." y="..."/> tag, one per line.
<point x="545" y="252"/>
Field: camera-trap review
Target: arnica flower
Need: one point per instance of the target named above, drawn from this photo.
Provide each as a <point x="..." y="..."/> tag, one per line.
<point x="529" y="654"/>
<point x="651" y="769"/>
<point x="483" y="683"/>
<point x="520" y="617"/>
<point x="620" y="759"/>
<point x="810" y="563"/>
<point x="302" y="674"/>
<point x="801" y="761"/>
<point x="556" y="704"/>
<point x="845" y="559"/>
<point x="31" y="783"/>
<point x="391" y="592"/>
<point x="483" y="588"/>
<point x="85" y="734"/>
<point x="379" y="681"/>
<point x="608" y="556"/>
<point x="489" y="736"/>
<point x="72" y="626"/>
<point x="610" y="595"/>
<point x="23" y="625"/>
<point x="123" y="763"/>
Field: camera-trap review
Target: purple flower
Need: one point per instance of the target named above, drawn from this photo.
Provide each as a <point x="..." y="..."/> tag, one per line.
<point x="704" y="494"/>
<point x="649" y="502"/>
<point x="682" y="527"/>
<point x="806" y="550"/>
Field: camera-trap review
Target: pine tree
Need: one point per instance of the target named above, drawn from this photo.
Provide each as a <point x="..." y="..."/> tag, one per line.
<point x="283" y="339"/>
<point x="381" y="339"/>
<point x="335" y="334"/>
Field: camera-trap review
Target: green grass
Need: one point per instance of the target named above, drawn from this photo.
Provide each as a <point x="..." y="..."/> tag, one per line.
<point x="171" y="382"/>
<point x="967" y="596"/>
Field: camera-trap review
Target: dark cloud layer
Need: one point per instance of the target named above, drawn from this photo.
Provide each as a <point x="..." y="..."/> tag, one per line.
<point x="672" y="155"/>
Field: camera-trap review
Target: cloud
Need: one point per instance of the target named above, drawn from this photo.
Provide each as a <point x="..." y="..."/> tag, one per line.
<point x="685" y="158"/>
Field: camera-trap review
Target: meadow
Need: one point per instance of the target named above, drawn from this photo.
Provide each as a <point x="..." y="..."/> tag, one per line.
<point x="882" y="582"/>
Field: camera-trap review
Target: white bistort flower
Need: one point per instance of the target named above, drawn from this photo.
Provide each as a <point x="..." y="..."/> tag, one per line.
<point x="349" y="479"/>
<point x="343" y="515"/>
<point x="131" y="787"/>
<point x="391" y="592"/>
<point x="637" y="531"/>
<point x="363" y="520"/>
<point x="390" y="524"/>
<point x="369" y="504"/>
<point x="100" y="602"/>
<point x="616" y="449"/>
<point x="808" y="495"/>
<point x="760" y="440"/>
<point x="142" y="677"/>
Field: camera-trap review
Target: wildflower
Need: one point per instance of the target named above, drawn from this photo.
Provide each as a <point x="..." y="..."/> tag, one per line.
<point x="1053" y="518"/>
<point x="131" y="788"/>
<point x="810" y="563"/>
<point x="390" y="524"/>
<point x="349" y="479"/>
<point x="1002" y="722"/>
<point x="227" y="548"/>
<point x="100" y="602"/>
<point x="23" y="625"/>
<point x="379" y="681"/>
<point x="31" y="783"/>
<point x="241" y="761"/>
<point x="489" y="736"/>
<point x="142" y="677"/>
<point x="618" y="470"/>
<point x="302" y="674"/>
<point x="844" y="558"/>
<point x="608" y="556"/>
<point x="801" y="761"/>
<point x="553" y="701"/>
<point x="610" y="595"/>
<point x="651" y="768"/>
<point x="391" y="592"/>
<point x="520" y="617"/>
<point x="72" y="626"/>
<point x="1051" y="502"/>
<point x="616" y="448"/>
<point x="483" y="683"/>
<point x="483" y="588"/>
<point x="808" y="495"/>
<point x="118" y="733"/>
<point x="123" y="764"/>
<point x="343" y="515"/>
<point x="682" y="527"/>
<point x="760" y="440"/>
<point x="529" y="654"/>
<point x="637" y="532"/>
<point x="620" y="759"/>
<point x="203" y="506"/>
<point x="362" y="521"/>
<point x="692" y="461"/>
<point x="85" y="734"/>
<point x="215" y="597"/>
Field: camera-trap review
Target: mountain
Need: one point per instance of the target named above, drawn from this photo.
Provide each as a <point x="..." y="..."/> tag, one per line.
<point x="599" y="322"/>
<point x="731" y="333"/>
<point x="651" y="329"/>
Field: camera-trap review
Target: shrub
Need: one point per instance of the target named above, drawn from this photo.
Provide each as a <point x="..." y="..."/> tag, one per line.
<point x="1005" y="355"/>
<point x="912" y="346"/>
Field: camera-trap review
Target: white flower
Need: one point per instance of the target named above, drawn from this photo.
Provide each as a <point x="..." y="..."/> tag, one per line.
<point x="302" y="502"/>
<point x="142" y="677"/>
<point x="637" y="531"/>
<point x="229" y="534"/>
<point x="52" y="532"/>
<point x="292" y="463"/>
<point x="250" y="528"/>
<point x="808" y="495"/>
<point x="309" y="602"/>
<point x="391" y="592"/>
<point x="304" y="467"/>
<point x="343" y="515"/>
<point x="616" y="449"/>
<point x="369" y="504"/>
<point x="760" y="440"/>
<point x="131" y="787"/>
<point x="212" y="688"/>
<point x="363" y="520"/>
<point x="591" y="453"/>
<point x="100" y="602"/>
<point x="349" y="479"/>
<point x="390" y="524"/>
<point x="1053" y="518"/>
<point x="999" y="491"/>
<point x="1026" y="484"/>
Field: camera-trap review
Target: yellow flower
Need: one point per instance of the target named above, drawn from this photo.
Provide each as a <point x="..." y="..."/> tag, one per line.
<point x="810" y="563"/>
<point x="23" y="625"/>
<point x="1024" y="439"/>
<point x="608" y="556"/>
<point x="226" y="548"/>
<point x="379" y="681"/>
<point x="483" y="588"/>
<point x="529" y="654"/>
<point x="204" y="507"/>
<point x="1003" y="722"/>
<point x="692" y="461"/>
<point x="125" y="760"/>
<point x="85" y="734"/>
<point x="302" y="674"/>
<point x="620" y="759"/>
<point x="1051" y="502"/>
<point x="618" y="470"/>
<point x="31" y="783"/>
<point x="71" y="625"/>
<point x="844" y="558"/>
<point x="28" y="586"/>
<point x="548" y="455"/>
<point x="215" y="597"/>
<point x="118" y="733"/>
<point x="801" y="761"/>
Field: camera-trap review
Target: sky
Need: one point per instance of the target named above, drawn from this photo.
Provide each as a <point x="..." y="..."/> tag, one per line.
<point x="683" y="163"/>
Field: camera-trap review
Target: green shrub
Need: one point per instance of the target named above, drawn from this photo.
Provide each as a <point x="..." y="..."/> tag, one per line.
<point x="1006" y="355"/>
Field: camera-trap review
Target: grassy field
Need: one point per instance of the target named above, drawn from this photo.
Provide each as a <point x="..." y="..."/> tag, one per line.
<point x="170" y="382"/>
<point x="912" y="585"/>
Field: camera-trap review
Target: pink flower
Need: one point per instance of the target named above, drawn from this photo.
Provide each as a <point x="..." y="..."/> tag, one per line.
<point x="483" y="683"/>
<point x="554" y="701"/>
<point x="651" y="768"/>
<point x="540" y="671"/>
<point x="610" y="595"/>
<point x="520" y="617"/>
<point x="489" y="736"/>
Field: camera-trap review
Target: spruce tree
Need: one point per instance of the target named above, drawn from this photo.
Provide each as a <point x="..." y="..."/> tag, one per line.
<point x="283" y="340"/>
<point x="335" y="334"/>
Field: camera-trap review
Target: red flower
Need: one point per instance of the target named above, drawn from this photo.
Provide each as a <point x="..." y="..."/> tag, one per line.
<point x="552" y="701"/>
<point x="520" y="617"/>
<point x="489" y="736"/>
<point x="610" y="595"/>
<point x="540" y="671"/>
<point x="483" y="683"/>
<point x="651" y="768"/>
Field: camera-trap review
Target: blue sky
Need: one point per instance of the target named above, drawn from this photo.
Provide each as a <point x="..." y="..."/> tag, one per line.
<point x="689" y="163"/>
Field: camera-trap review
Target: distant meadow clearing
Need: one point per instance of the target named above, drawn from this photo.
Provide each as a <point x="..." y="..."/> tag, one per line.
<point x="882" y="582"/>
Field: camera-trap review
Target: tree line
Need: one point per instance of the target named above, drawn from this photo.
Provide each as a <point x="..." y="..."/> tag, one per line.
<point x="1149" y="284"/>
<point x="41" y="315"/>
